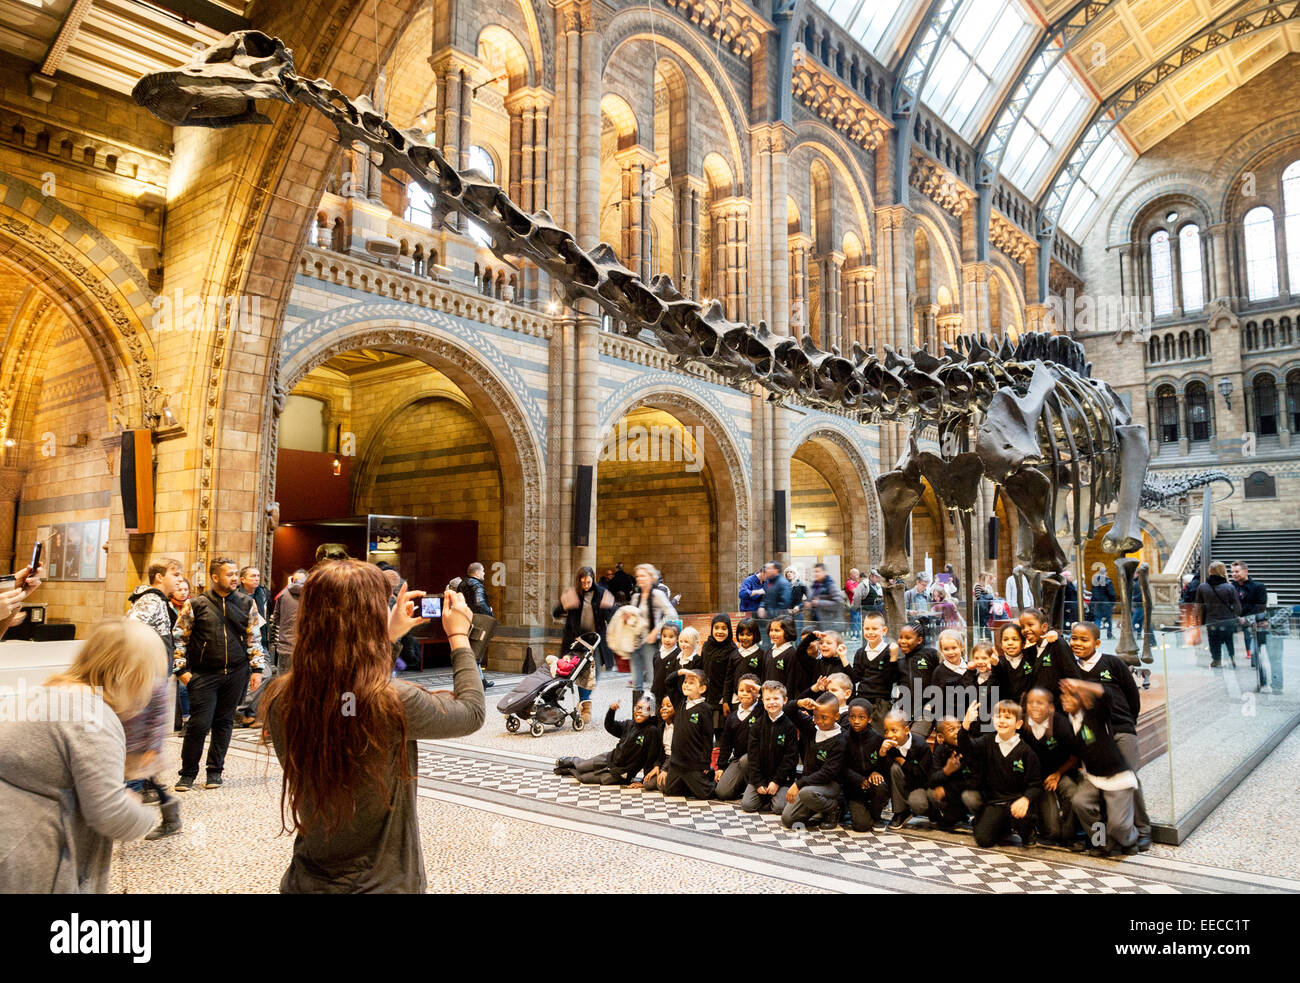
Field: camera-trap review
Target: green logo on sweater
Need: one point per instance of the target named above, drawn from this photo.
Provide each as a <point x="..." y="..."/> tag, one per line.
<point x="1104" y="674"/>
<point x="821" y="755"/>
<point x="1088" y="736"/>
<point x="1027" y="668"/>
<point x="875" y="756"/>
<point x="753" y="662"/>
<point x="1017" y="765"/>
<point x="640" y="739"/>
<point x="780" y="738"/>
<point x="1047" y="660"/>
<point x="921" y="663"/>
<point x="780" y="663"/>
<point x="1050" y="742"/>
<point x="695" y="717"/>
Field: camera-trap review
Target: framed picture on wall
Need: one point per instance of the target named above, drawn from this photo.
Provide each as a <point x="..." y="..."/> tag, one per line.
<point x="101" y="554"/>
<point x="54" y="553"/>
<point x="75" y="550"/>
<point x="72" y="533"/>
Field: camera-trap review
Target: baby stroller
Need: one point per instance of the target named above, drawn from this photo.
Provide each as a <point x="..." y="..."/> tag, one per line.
<point x="540" y="697"/>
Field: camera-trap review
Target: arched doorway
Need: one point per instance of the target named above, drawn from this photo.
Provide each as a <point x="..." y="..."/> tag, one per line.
<point x="1094" y="554"/>
<point x="832" y="500"/>
<point x="676" y="496"/>
<point x="479" y="460"/>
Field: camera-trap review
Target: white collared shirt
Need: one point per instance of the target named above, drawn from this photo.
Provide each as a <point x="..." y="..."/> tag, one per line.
<point x="779" y="649"/>
<point x="1038" y="729"/>
<point x="694" y="703"/>
<point x="1008" y="746"/>
<point x="826" y="735"/>
<point x="875" y="652"/>
<point x="779" y="715"/>
<point x="1076" y="721"/>
<point x="1015" y="663"/>
<point x="983" y="677"/>
<point x="958" y="668"/>
<point x="744" y="713"/>
<point x="1087" y="665"/>
<point x="746" y="653"/>
<point x="905" y="746"/>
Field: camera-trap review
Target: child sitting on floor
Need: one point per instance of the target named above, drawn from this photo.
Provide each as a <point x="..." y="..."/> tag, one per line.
<point x="1106" y="775"/>
<point x="733" y="744"/>
<point x="1047" y="732"/>
<point x="656" y="772"/>
<point x="953" y="788"/>
<point x="907" y="767"/>
<point x="639" y="746"/>
<point x="864" y="783"/>
<point x="817" y="792"/>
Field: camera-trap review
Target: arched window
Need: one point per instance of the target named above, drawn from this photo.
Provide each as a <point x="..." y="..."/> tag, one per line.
<point x="1169" y="348"/>
<point x="1264" y="390"/>
<point x="1189" y="259"/>
<point x="1162" y="275"/>
<point x="1267" y="338"/>
<point x="480" y="160"/>
<point x="1153" y="351"/>
<point x="1201" y="343"/>
<point x="1198" y="411"/>
<point x="1293" y="400"/>
<point x="1261" y="254"/>
<point x="1184" y="345"/>
<point x="1284" y="331"/>
<point x="419" y="206"/>
<point x="1261" y="484"/>
<point x="1291" y="224"/>
<point x="1167" y="414"/>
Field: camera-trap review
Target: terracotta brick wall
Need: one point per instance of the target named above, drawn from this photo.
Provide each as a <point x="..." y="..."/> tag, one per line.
<point x="659" y="512"/>
<point x="813" y="505"/>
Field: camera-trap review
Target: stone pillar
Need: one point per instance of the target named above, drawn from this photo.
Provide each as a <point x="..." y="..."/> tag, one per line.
<point x="975" y="300"/>
<point x="516" y="164"/>
<point x="586" y="434"/>
<point x="11" y="483"/>
<point x="466" y="112"/>
<point x="1219" y="242"/>
<point x="799" y="306"/>
<point x="832" y="291"/>
<point x="950" y="326"/>
<point x="779" y="247"/>
<point x="927" y="326"/>
<point x="869" y="313"/>
<point x="630" y="210"/>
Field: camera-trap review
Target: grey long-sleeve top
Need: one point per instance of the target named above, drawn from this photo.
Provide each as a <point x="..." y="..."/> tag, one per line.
<point x="380" y="850"/>
<point x="62" y="797"/>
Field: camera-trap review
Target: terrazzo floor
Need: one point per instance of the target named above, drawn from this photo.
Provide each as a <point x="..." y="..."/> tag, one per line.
<point x="494" y="819"/>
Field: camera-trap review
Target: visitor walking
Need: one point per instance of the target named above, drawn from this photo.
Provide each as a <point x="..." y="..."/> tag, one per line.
<point x="1103" y="601"/>
<point x="1220" y="612"/>
<point x="655" y="607"/>
<point x="1254" y="614"/>
<point x="585" y="608"/>
<point x="825" y="603"/>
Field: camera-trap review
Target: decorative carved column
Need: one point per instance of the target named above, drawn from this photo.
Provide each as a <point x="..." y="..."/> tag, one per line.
<point x="975" y="300"/>
<point x="950" y="326"/>
<point x="833" y="330"/>
<point x="1219" y="248"/>
<point x="926" y="327"/>
<point x="799" y="312"/>
<point x="11" y="483"/>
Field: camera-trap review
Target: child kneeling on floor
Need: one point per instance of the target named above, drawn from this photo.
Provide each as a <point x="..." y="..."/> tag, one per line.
<point x="1008" y="768"/>
<point x="733" y="744"/>
<point x="639" y="746"/>
<point x="692" y="748"/>
<point x="773" y="753"/>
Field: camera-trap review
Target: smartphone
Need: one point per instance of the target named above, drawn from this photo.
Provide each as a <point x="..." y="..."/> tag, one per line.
<point x="10" y="578"/>
<point x="431" y="607"/>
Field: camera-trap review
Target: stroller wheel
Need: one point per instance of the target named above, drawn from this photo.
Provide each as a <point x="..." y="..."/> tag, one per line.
<point x="512" y="724"/>
<point x="578" y="722"/>
<point x="536" y="728"/>
<point x="559" y="724"/>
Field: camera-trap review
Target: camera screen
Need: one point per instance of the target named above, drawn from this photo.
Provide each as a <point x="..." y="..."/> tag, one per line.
<point x="431" y="607"/>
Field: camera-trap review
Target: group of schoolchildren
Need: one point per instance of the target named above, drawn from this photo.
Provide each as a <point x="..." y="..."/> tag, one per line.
<point x="1030" y="735"/>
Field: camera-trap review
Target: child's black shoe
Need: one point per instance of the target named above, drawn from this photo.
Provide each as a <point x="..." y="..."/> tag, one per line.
<point x="900" y="820"/>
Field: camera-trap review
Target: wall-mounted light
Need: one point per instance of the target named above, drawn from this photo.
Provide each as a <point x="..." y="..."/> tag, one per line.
<point x="1225" y="390"/>
<point x="338" y="466"/>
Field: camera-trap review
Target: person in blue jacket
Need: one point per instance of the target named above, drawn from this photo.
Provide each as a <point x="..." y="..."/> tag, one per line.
<point x="751" y="592"/>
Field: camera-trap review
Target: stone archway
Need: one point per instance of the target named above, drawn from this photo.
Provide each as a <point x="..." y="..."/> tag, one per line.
<point x="731" y="481"/>
<point x="854" y="485"/>
<point x="514" y="440"/>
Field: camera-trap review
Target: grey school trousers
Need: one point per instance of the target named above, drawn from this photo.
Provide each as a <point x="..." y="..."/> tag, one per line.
<point x="1056" y="810"/>
<point x="734" y="778"/>
<point x="901" y="800"/>
<point x="1119" y="813"/>
<point x="754" y="801"/>
<point x="810" y="801"/>
<point x="1128" y="747"/>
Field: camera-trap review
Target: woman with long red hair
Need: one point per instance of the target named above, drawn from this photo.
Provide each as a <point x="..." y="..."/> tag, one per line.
<point x="345" y="732"/>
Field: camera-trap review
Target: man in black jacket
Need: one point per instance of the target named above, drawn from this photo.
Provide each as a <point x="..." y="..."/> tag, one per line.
<point x="1254" y="614"/>
<point x="218" y="653"/>
<point x="476" y="599"/>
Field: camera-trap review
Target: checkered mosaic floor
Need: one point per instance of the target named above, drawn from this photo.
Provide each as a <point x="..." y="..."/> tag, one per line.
<point x="937" y="864"/>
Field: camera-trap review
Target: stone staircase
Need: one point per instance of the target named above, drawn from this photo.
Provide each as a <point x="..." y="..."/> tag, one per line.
<point x="1273" y="556"/>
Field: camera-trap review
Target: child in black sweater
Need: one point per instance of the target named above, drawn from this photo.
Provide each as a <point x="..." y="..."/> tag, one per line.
<point x="639" y="746"/>
<point x="773" y="754"/>
<point x="820" y="653"/>
<point x="1018" y="666"/>
<point x="953" y="785"/>
<point x="986" y="682"/>
<point x="716" y="656"/>
<point x="1048" y="734"/>
<point x="668" y="678"/>
<point x="668" y="650"/>
<point x="864" y="782"/>
<point x="656" y="772"/>
<point x="749" y="658"/>
<point x="1093" y="666"/>
<point x="733" y="743"/>
<point x="948" y="681"/>
<point x="1049" y="654"/>
<point x="1009" y="771"/>
<point x="1106" y="775"/>
<point x="692" y="750"/>
<point x="817" y="792"/>
<point x="780" y="661"/>
<point x="916" y="665"/>
<point x="875" y="667"/>
<point x="907" y="765"/>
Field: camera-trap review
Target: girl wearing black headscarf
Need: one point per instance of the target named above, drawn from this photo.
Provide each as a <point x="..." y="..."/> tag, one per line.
<point x="716" y="656"/>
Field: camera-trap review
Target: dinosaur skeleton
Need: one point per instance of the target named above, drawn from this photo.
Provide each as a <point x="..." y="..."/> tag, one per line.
<point x="1036" y="419"/>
